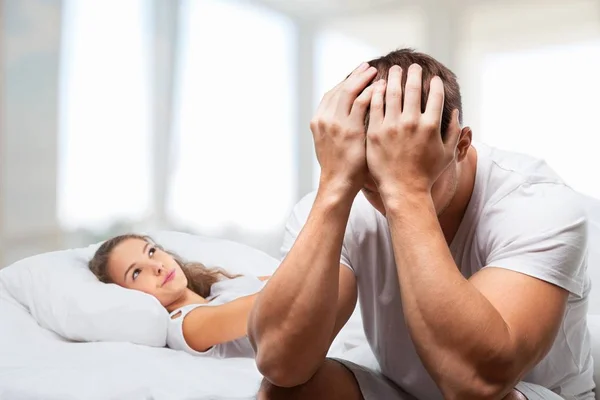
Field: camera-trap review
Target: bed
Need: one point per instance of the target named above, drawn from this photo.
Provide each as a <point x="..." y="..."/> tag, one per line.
<point x="49" y="351"/>
<point x="37" y="363"/>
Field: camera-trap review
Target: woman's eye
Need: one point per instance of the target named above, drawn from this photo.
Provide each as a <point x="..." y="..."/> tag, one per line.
<point x="151" y="251"/>
<point x="135" y="273"/>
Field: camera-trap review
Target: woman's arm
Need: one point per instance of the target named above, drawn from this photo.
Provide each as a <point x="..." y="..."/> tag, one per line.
<point x="207" y="326"/>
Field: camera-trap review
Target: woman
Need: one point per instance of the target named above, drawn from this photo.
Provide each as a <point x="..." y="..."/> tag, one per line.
<point x="208" y="307"/>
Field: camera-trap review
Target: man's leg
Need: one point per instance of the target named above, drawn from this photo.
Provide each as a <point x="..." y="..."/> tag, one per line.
<point x="530" y="391"/>
<point x="339" y="379"/>
<point x="515" y="395"/>
<point x="332" y="381"/>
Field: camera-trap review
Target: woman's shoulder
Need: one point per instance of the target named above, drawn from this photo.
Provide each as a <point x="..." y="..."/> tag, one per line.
<point x="222" y="292"/>
<point x="175" y="337"/>
<point x="183" y="310"/>
<point x="236" y="287"/>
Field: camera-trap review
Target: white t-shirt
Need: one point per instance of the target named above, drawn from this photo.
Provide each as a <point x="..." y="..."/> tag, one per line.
<point x="220" y="293"/>
<point x="521" y="217"/>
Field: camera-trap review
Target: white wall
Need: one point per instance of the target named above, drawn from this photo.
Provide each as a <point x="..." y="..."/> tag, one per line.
<point x="383" y="30"/>
<point x="510" y="26"/>
<point x="462" y="36"/>
<point x="2" y="118"/>
<point x="462" y="33"/>
<point x="31" y="41"/>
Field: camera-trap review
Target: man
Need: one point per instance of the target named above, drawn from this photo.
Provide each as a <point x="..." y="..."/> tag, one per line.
<point x="470" y="262"/>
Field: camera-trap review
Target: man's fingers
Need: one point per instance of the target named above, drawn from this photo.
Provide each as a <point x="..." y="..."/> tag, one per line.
<point x="361" y="104"/>
<point x="435" y="101"/>
<point x="393" y="92"/>
<point x="361" y="68"/>
<point x="412" y="92"/>
<point x="329" y="99"/>
<point x="352" y="87"/>
<point x="376" y="113"/>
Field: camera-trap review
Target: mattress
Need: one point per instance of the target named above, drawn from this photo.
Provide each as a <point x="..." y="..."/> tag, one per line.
<point x="36" y="364"/>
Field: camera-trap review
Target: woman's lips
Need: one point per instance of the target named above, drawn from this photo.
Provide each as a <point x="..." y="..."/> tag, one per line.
<point x="169" y="277"/>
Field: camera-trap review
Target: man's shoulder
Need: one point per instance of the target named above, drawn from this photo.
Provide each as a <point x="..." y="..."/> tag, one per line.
<point x="510" y="175"/>
<point x="364" y="219"/>
<point x="540" y="200"/>
<point x="515" y="168"/>
<point x="532" y="212"/>
<point x="306" y="202"/>
<point x="366" y="230"/>
<point x="522" y="193"/>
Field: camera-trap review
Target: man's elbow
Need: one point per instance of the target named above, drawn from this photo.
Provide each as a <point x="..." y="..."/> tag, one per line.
<point x="494" y="381"/>
<point x="272" y="361"/>
<point x="282" y="371"/>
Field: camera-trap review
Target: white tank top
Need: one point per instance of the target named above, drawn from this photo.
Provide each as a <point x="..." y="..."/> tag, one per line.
<point x="220" y="293"/>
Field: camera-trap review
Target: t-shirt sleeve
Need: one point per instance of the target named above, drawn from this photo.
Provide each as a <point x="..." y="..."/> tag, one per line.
<point x="295" y="223"/>
<point x="539" y="230"/>
<point x="175" y="337"/>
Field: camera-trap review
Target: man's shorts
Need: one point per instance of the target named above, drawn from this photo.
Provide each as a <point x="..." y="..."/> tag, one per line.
<point x="375" y="386"/>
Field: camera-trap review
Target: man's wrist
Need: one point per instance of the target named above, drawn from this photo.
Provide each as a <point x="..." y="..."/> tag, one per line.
<point x="336" y="193"/>
<point x="399" y="200"/>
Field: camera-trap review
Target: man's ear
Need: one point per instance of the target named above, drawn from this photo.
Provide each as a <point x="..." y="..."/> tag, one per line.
<point x="466" y="136"/>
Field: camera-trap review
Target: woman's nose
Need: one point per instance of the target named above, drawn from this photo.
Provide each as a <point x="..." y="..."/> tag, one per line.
<point x="158" y="267"/>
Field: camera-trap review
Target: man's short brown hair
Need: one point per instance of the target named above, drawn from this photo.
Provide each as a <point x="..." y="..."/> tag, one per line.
<point x="431" y="67"/>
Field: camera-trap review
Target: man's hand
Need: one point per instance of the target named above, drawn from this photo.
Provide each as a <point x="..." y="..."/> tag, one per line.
<point x="405" y="150"/>
<point x="339" y="132"/>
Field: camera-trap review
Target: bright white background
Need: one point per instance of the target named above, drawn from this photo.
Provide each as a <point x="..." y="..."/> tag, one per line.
<point x="237" y="87"/>
<point x="545" y="102"/>
<point x="104" y="148"/>
<point x="234" y="153"/>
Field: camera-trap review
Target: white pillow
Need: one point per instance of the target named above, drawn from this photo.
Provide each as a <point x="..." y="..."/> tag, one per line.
<point x="64" y="296"/>
<point x="233" y="257"/>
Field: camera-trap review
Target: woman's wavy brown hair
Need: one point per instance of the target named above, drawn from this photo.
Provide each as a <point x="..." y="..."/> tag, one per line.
<point x="200" y="278"/>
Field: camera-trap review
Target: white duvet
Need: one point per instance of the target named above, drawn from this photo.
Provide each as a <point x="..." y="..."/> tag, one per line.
<point x="36" y="364"/>
<point x="51" y="298"/>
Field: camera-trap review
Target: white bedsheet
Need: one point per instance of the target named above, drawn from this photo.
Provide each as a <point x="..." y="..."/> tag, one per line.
<point x="37" y="364"/>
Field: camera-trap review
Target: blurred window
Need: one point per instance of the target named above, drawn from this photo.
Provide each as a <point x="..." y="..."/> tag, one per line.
<point x="544" y="103"/>
<point x="235" y="160"/>
<point x="104" y="148"/>
<point x="336" y="56"/>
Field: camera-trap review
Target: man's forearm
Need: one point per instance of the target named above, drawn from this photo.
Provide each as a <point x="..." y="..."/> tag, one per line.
<point x="293" y="319"/>
<point x="461" y="338"/>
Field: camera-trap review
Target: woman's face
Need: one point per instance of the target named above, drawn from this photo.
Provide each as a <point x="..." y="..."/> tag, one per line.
<point x="139" y="265"/>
